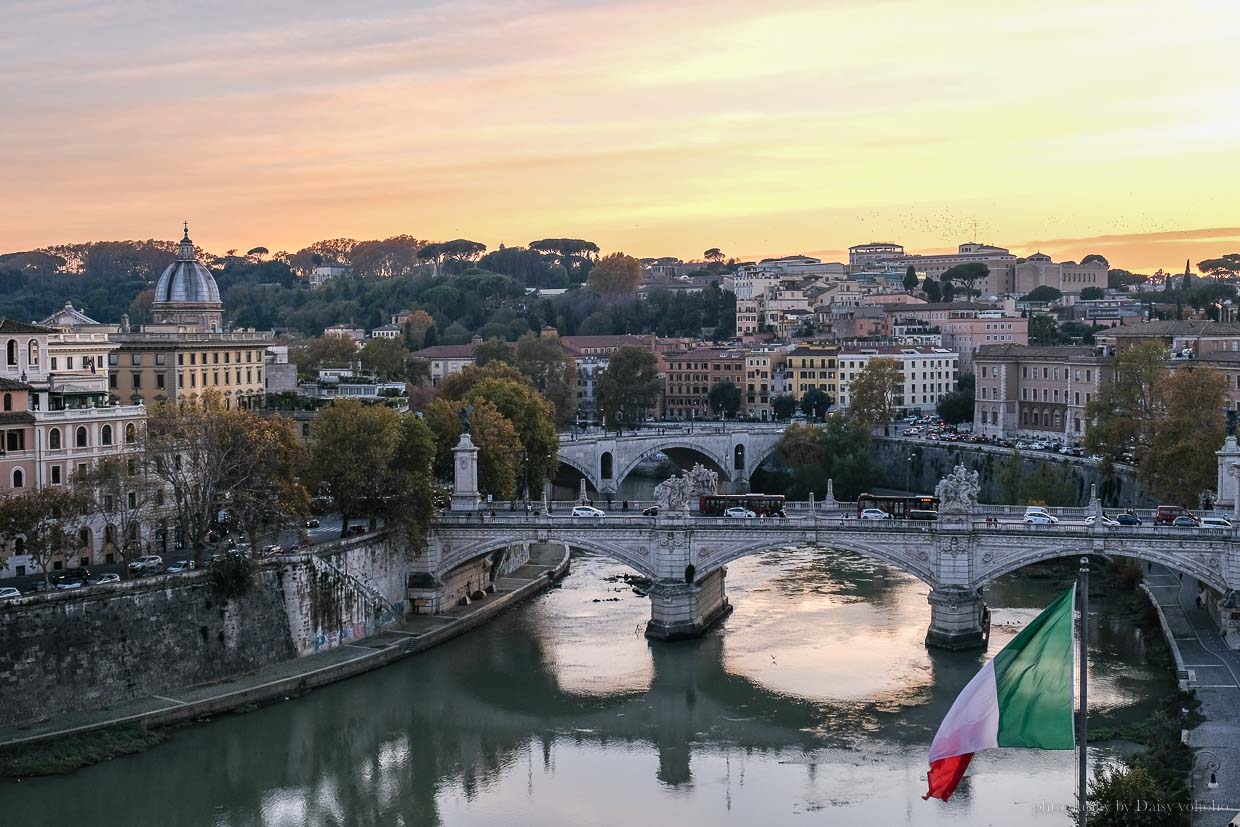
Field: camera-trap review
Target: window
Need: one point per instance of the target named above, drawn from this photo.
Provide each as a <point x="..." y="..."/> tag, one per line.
<point x="55" y="475"/>
<point x="131" y="433"/>
<point x="105" y="436"/>
<point x="55" y="363"/>
<point x="160" y="358"/>
<point x="112" y="381"/>
<point x="132" y="499"/>
<point x="12" y="353"/>
<point x="305" y="430"/>
<point x="69" y="363"/>
<point x="15" y="440"/>
<point x="112" y="359"/>
<point x="81" y="472"/>
<point x="81" y="436"/>
<point x="180" y="358"/>
<point x="33" y="352"/>
<point x="8" y="401"/>
<point x="215" y="358"/>
<point x="137" y="380"/>
<point x="19" y="479"/>
<point x="193" y="358"/>
<point x="159" y="380"/>
<point x="53" y="439"/>
<point x="108" y="502"/>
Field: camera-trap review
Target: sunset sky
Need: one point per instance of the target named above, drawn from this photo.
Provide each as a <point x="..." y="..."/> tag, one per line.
<point x="653" y="128"/>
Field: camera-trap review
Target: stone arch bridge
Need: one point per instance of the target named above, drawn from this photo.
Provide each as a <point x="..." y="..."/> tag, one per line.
<point x="685" y="555"/>
<point x="605" y="459"/>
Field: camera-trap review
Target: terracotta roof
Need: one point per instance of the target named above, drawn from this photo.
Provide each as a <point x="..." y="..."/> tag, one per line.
<point x="13" y="385"/>
<point x="10" y="326"/>
<point x="16" y="418"/>
<point x="1035" y="351"/>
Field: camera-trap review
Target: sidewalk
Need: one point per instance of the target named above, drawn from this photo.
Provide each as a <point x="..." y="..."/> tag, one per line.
<point x="415" y="634"/>
<point x="1214" y="674"/>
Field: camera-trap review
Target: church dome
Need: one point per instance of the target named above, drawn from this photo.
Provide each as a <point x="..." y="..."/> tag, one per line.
<point x="185" y="280"/>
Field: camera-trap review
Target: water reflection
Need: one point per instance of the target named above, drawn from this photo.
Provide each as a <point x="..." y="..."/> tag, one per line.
<point x="817" y="696"/>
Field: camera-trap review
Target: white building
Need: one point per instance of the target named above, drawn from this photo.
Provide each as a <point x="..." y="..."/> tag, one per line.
<point x="387" y="331"/>
<point x="346" y="331"/>
<point x="928" y="374"/>
<point x="327" y="271"/>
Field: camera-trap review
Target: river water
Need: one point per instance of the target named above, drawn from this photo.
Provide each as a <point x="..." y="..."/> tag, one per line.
<point x="814" y="704"/>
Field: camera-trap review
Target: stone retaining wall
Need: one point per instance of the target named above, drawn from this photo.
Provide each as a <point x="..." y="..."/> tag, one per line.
<point x="86" y="649"/>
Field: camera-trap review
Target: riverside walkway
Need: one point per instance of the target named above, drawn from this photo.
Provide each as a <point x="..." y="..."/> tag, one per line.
<point x="1214" y="674"/>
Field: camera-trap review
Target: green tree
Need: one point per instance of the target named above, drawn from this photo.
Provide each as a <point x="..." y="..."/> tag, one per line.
<point x="126" y="495"/>
<point x="629" y="387"/>
<point x="910" y="279"/>
<point x="616" y="275"/>
<point x="272" y="496"/>
<point x="873" y="390"/>
<point x="45" y="520"/>
<point x="1092" y="293"/>
<point x="1122" y="278"/>
<point x="1011" y="478"/>
<point x="1122" y="797"/>
<point x="412" y="507"/>
<point x="494" y="350"/>
<point x="839" y="451"/>
<point x="1189" y="426"/>
<point x="351" y="457"/>
<point x="815" y="402"/>
<point x="325" y="351"/>
<point x="1042" y="329"/>
<point x="1226" y="266"/>
<point x="1044" y="293"/>
<point x="724" y="398"/>
<point x="204" y="456"/>
<point x="533" y="421"/>
<point x="1125" y="412"/>
<point x="543" y="361"/>
<point x="783" y="407"/>
<point x="387" y="358"/>
<point x="714" y="255"/>
<point x="499" y="451"/>
<point x="442" y="417"/>
<point x="957" y="406"/>
<point x="966" y="274"/>
<point x="1092" y="257"/>
<point x="932" y="289"/>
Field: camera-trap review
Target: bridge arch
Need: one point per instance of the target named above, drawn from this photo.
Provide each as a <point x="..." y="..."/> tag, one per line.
<point x="917" y="567"/>
<point x="759" y="454"/>
<point x="714" y="460"/>
<point x="1212" y="577"/>
<point x="580" y="467"/>
<point x="466" y="554"/>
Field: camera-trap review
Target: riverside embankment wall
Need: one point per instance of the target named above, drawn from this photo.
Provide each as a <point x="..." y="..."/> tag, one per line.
<point x="86" y="649"/>
<point x="933" y="461"/>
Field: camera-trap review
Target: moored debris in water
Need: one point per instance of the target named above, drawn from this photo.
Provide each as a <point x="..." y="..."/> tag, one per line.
<point x="606" y="600"/>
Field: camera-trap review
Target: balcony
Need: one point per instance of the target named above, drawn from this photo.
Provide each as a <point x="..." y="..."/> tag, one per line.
<point x="109" y="412"/>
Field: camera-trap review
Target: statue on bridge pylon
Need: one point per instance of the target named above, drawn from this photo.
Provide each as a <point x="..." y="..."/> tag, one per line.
<point x="957" y="492"/>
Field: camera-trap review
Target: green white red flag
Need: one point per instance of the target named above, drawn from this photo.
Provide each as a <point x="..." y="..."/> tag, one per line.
<point x="1021" y="698"/>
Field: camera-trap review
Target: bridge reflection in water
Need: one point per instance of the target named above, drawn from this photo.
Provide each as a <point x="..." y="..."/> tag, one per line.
<point x="819" y="694"/>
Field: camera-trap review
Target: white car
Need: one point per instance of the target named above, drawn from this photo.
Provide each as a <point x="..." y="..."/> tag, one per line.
<point x="104" y="579"/>
<point x="1215" y="522"/>
<point x="739" y="512"/>
<point x="588" y="511"/>
<point x="875" y="514"/>
<point x="150" y="562"/>
<point x="1040" y="518"/>
<point x="9" y="591"/>
<point x="1106" y="521"/>
<point x="180" y="566"/>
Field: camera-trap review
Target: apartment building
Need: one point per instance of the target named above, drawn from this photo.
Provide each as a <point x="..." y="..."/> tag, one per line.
<point x="965" y="326"/>
<point x="1036" y="392"/>
<point x="927" y="374"/>
<point x="864" y="255"/>
<point x="1188" y="338"/>
<point x="812" y="366"/>
<point x="689" y="376"/>
<point x="763" y="367"/>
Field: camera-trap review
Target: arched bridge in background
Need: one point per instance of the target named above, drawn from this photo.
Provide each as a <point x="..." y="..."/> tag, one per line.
<point x="735" y="451"/>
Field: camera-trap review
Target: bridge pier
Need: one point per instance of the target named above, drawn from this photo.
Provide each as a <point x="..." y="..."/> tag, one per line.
<point x="959" y="618"/>
<point x="680" y="610"/>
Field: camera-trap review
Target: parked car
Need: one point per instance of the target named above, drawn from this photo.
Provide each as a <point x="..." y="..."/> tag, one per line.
<point x="875" y="514"/>
<point x="652" y="511"/>
<point x="312" y="523"/>
<point x="273" y="550"/>
<point x="357" y="530"/>
<point x="739" y="512"/>
<point x="588" y="511"/>
<point x="298" y="548"/>
<point x="63" y="582"/>
<point x="1186" y="521"/>
<point x="180" y="566"/>
<point x="105" y="579"/>
<point x="8" y="591"/>
<point x="148" y="562"/>
<point x="1215" y="522"/>
<point x="1106" y="521"/>
<point x="1167" y="514"/>
<point x="1040" y="518"/>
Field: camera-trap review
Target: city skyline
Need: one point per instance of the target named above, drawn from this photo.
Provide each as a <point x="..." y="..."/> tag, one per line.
<point x="648" y="129"/>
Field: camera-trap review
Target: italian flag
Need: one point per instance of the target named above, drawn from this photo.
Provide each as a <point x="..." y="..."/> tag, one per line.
<point x="1021" y="698"/>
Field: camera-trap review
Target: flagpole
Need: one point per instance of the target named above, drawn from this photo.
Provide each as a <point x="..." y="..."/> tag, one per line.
<point x="1082" y="589"/>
